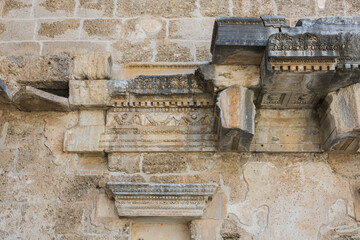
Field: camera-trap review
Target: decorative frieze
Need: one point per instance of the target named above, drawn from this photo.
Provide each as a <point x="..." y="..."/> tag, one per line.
<point x="160" y="199"/>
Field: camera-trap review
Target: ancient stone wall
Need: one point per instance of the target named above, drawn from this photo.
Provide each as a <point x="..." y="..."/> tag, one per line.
<point x="62" y="113"/>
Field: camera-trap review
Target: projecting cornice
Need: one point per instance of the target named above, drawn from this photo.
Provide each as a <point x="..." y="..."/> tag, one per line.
<point x="259" y="64"/>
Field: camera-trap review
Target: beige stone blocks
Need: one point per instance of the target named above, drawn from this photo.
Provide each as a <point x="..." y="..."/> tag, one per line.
<point x="72" y="47"/>
<point x="250" y="8"/>
<point x="85" y="137"/>
<point x="168" y="9"/>
<point x="49" y="72"/>
<point x="340" y="120"/>
<point x="63" y="29"/>
<point x="18" y="49"/>
<point x="12" y="9"/>
<point x="88" y="93"/>
<point x="92" y="66"/>
<point x="215" y="8"/>
<point x="196" y="29"/>
<point x="235" y="118"/>
<point x="174" y="51"/>
<point x="32" y="99"/>
<point x="106" y="29"/>
<point x="50" y="8"/>
<point x="97" y="8"/>
<point x="16" y="30"/>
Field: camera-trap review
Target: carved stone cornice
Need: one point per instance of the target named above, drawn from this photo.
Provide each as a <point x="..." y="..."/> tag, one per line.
<point x="160" y="199"/>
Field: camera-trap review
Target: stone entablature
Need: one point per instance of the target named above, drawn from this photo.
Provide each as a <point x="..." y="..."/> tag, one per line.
<point x="160" y="199"/>
<point x="258" y="63"/>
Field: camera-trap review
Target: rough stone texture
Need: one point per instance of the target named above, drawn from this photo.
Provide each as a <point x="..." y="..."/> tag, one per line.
<point x="172" y="51"/>
<point x="92" y="66"/>
<point x="340" y="120"/>
<point x="163" y="8"/>
<point x="164" y="163"/>
<point x="296" y="9"/>
<point x="101" y="29"/>
<point x="50" y="72"/>
<point x="128" y="163"/>
<point x="249" y="8"/>
<point x="12" y="8"/>
<point x="197" y="29"/>
<point x="66" y="29"/>
<point x="235" y="118"/>
<point x="51" y="8"/>
<point x="32" y="99"/>
<point x="88" y="93"/>
<point x="214" y="8"/>
<point x="72" y="47"/>
<point x="100" y="8"/>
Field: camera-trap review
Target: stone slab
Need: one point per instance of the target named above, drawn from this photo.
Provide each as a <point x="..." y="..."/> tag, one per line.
<point x="32" y="99"/>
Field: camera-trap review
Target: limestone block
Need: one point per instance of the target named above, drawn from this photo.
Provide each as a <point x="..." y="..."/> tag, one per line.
<point x="160" y="231"/>
<point x="48" y="72"/>
<point x="88" y="93"/>
<point x="67" y="29"/>
<point x="10" y="30"/>
<point x="72" y="47"/>
<point x="103" y="29"/>
<point x="224" y="76"/>
<point x="124" y="162"/>
<point x="85" y="137"/>
<point x="97" y="8"/>
<point x="189" y="29"/>
<point x="340" y="120"/>
<point x="174" y="51"/>
<point x="17" y="49"/>
<point x="12" y="9"/>
<point x="32" y="99"/>
<point x="48" y="8"/>
<point x="92" y="66"/>
<point x="235" y="112"/>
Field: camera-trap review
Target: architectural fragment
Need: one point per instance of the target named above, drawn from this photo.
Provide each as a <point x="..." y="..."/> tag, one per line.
<point x="242" y="40"/>
<point x="5" y="95"/>
<point x="340" y="120"/>
<point x="160" y="199"/>
<point x="235" y="114"/>
<point x="92" y="66"/>
<point x="32" y="99"/>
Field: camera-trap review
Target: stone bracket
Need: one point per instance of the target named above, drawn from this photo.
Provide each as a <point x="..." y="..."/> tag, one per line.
<point x="235" y="114"/>
<point x="340" y="120"/>
<point x="159" y="199"/>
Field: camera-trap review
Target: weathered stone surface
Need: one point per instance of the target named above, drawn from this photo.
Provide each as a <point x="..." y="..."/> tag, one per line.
<point x="235" y="118"/>
<point x="203" y="52"/>
<point x="340" y="120"/>
<point x="32" y="99"/>
<point x="163" y="8"/>
<point x="160" y="231"/>
<point x="72" y="47"/>
<point x="282" y="196"/>
<point x="296" y="9"/>
<point x="46" y="72"/>
<point x="18" y="49"/>
<point x="288" y="130"/>
<point x="214" y="8"/>
<point x="92" y="66"/>
<point x="164" y="163"/>
<point x="127" y="51"/>
<point x="85" y="137"/>
<point x="224" y="76"/>
<point x="126" y="162"/>
<point x="88" y="93"/>
<point x="249" y="8"/>
<point x="172" y="51"/>
<point x="189" y="29"/>
<point x="51" y="8"/>
<point x="100" y="8"/>
<point x="12" y="8"/>
<point x="159" y="199"/>
<point x="9" y="30"/>
<point x="54" y="29"/>
<point x="107" y="29"/>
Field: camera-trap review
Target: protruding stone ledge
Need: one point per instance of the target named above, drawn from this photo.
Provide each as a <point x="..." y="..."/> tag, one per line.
<point x="92" y="66"/>
<point x="160" y="199"/>
<point x="235" y="113"/>
<point x="32" y="99"/>
<point x="242" y="40"/>
<point x="340" y="120"/>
